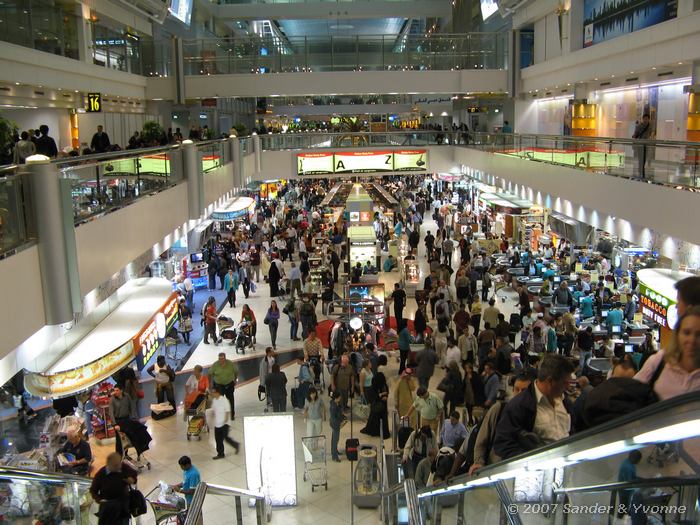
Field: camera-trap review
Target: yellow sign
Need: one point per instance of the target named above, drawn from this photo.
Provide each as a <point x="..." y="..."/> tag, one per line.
<point x="94" y="104"/>
<point x="579" y="267"/>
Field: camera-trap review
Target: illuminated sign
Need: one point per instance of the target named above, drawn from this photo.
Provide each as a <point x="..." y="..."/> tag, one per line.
<point x="270" y="456"/>
<point x="363" y="161"/>
<point x="354" y="216"/>
<point x="410" y="160"/>
<point x="365" y="216"/>
<point x="148" y="341"/>
<point x="314" y="163"/>
<point x="94" y="104"/>
<point x="657" y="307"/>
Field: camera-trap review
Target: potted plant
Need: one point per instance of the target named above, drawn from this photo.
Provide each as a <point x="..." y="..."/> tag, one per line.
<point x="7" y="133"/>
<point x="153" y="134"/>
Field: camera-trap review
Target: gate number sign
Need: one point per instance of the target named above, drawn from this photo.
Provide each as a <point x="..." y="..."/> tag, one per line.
<point x="94" y="103"/>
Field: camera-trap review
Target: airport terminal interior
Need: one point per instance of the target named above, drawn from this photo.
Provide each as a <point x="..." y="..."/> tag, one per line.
<point x="397" y="262"/>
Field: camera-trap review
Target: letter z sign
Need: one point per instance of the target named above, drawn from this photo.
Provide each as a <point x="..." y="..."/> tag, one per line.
<point x="94" y="104"/>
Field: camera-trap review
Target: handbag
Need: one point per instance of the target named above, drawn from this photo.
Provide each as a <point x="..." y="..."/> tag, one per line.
<point x="186" y="325"/>
<point x="262" y="393"/>
<point x="360" y="410"/>
<point x="137" y="503"/>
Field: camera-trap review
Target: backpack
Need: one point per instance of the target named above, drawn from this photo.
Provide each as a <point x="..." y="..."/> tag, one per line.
<point x="307" y="309"/>
<point x="617" y="397"/>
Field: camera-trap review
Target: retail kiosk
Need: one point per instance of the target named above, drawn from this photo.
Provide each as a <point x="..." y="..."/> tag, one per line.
<point x="657" y="299"/>
<point x="134" y="330"/>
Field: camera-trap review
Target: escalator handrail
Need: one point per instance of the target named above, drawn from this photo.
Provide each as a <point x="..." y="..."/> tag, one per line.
<point x="646" y="412"/>
<point x="45" y="477"/>
<point x="665" y="481"/>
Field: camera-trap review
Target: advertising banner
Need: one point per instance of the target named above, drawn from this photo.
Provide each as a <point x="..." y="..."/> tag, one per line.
<point x="411" y="160"/>
<point x="314" y="163"/>
<point x="363" y="161"/>
<point x="607" y="19"/>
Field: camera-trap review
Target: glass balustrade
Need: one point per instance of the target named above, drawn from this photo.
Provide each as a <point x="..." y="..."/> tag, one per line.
<point x="108" y="182"/>
<point x="670" y="163"/>
<point x="35" y="497"/>
<point x="642" y="466"/>
<point x="14" y="198"/>
<point x="344" y="53"/>
<point x="211" y="155"/>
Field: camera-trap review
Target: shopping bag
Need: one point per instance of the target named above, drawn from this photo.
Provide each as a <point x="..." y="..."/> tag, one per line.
<point x="360" y="410"/>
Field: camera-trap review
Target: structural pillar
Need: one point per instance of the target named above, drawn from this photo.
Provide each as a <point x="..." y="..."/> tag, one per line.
<point x="237" y="161"/>
<point x="257" y="151"/>
<point x="195" y="179"/>
<point x="84" y="32"/>
<point x="56" y="233"/>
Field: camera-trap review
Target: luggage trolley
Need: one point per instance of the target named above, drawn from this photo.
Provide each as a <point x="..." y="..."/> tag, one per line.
<point x="165" y="513"/>
<point x="195" y="417"/>
<point x="315" y="461"/>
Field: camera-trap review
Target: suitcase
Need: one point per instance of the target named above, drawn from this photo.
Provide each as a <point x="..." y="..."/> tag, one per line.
<point x="297" y="397"/>
<point x="162" y="415"/>
<point x="228" y="335"/>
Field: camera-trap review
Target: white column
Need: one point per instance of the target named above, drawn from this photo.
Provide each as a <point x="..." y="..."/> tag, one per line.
<point x="84" y="32"/>
<point x="257" y="150"/>
<point x="236" y="160"/>
<point x="53" y="233"/>
<point x="195" y="179"/>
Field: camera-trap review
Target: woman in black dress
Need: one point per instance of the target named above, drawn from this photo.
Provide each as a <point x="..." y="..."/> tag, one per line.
<point x="378" y="414"/>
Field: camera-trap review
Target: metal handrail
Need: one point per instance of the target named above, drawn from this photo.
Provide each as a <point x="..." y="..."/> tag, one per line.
<point x="44" y="477"/>
<point x="665" y="481"/>
<point x="427" y="132"/>
<point x="194" y="512"/>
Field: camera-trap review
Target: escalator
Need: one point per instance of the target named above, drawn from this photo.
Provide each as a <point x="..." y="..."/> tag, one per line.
<point x="588" y="478"/>
<point x="29" y="498"/>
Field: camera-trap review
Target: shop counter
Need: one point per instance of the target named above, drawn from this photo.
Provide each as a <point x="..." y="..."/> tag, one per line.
<point x="558" y="310"/>
<point x="517" y="271"/>
<point x="147" y="308"/>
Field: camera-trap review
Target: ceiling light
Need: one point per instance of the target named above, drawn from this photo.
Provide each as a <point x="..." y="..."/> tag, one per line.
<point x="680" y="63"/>
<point x="654" y="68"/>
<point x="603" y="451"/>
<point x="684" y="430"/>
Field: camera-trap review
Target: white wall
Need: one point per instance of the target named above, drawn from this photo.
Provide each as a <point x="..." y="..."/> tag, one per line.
<point x="119" y="126"/>
<point x="58" y="121"/>
<point x="662" y="45"/>
<point x="107" y="244"/>
<point x="22" y="307"/>
<point x="218" y="182"/>
<point x="28" y="66"/>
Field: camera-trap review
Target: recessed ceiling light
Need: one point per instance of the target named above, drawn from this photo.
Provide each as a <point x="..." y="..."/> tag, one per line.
<point x="631" y="72"/>
<point x="654" y="68"/>
<point x="595" y="79"/>
<point x="613" y="76"/>
<point x="16" y="83"/>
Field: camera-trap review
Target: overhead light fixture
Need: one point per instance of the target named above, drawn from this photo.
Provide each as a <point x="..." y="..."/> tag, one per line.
<point x="603" y="451"/>
<point x="687" y="429"/>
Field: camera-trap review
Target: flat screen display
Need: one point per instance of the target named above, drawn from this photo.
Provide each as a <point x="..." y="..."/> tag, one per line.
<point x="629" y="348"/>
<point x="182" y="10"/>
<point x="616" y="329"/>
<point x="488" y="8"/>
<point x="196" y="257"/>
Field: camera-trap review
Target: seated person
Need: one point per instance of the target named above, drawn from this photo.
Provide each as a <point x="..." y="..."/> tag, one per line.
<point x="369" y="269"/>
<point x="389" y="263"/>
<point x="81" y="454"/>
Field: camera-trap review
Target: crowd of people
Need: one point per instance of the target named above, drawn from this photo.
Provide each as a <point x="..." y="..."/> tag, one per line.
<point x="478" y="380"/>
<point x="39" y="141"/>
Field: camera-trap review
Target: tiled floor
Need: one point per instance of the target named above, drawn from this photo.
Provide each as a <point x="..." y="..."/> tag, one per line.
<point x="328" y="507"/>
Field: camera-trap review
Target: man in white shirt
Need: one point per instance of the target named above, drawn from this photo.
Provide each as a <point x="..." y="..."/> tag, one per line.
<point x="453" y="352"/>
<point x="221" y="409"/>
<point x="539" y="414"/>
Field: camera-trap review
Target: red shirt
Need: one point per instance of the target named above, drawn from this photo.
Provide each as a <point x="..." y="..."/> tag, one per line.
<point x="211" y="311"/>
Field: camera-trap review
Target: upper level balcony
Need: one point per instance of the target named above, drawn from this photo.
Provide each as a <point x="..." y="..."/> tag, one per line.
<point x="469" y="51"/>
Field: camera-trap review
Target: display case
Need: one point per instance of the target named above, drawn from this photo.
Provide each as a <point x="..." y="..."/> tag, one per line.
<point x="583" y="119"/>
<point x="410" y="276"/>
